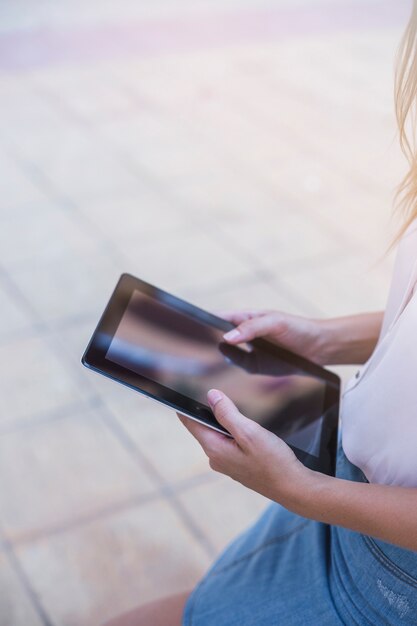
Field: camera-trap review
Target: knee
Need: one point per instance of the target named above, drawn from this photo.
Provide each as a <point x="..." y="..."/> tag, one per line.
<point x="164" y="612"/>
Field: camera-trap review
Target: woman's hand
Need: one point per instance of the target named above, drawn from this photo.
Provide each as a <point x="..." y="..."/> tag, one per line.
<point x="337" y="341"/>
<point x="254" y="457"/>
<point x="301" y="335"/>
<point x="261" y="461"/>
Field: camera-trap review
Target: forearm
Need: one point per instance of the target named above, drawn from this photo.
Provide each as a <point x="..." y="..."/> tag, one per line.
<point x="381" y="511"/>
<point x="350" y="339"/>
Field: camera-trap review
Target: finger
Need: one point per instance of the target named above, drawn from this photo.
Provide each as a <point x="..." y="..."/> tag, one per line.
<point x="237" y="317"/>
<point x="252" y="328"/>
<point x="208" y="438"/>
<point x="228" y="415"/>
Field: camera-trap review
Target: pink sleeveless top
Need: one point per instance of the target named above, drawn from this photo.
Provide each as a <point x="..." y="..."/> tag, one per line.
<point x="379" y="404"/>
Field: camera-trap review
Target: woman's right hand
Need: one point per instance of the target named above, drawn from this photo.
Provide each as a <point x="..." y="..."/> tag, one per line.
<point x="301" y="335"/>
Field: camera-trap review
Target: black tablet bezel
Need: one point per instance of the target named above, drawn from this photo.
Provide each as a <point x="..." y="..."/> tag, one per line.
<point x="95" y="358"/>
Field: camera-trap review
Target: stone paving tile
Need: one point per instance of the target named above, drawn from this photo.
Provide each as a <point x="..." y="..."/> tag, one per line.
<point x="21" y="123"/>
<point x="42" y="386"/>
<point x="345" y="286"/>
<point x="77" y="462"/>
<point x="152" y="429"/>
<point x="70" y="160"/>
<point x="227" y="195"/>
<point x="71" y="286"/>
<point x="70" y="341"/>
<point x="255" y="293"/>
<point x="89" y="93"/>
<point x="91" y="170"/>
<point x="36" y="141"/>
<point x="48" y="232"/>
<point x="160" y="436"/>
<point x="367" y="233"/>
<point x="275" y="244"/>
<point x="137" y="214"/>
<point x="100" y="569"/>
<point x="17" y="187"/>
<point x="222" y="509"/>
<point x="84" y="166"/>
<point x="16" y="608"/>
<point x="190" y="259"/>
<point x="12" y="318"/>
<point x="284" y="174"/>
<point x="162" y="147"/>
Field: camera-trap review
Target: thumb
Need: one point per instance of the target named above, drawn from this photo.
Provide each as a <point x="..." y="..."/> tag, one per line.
<point x="252" y="328"/>
<point x="229" y="416"/>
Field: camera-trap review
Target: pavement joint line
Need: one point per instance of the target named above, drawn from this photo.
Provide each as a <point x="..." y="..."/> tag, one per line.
<point x="102" y="137"/>
<point x="50" y="327"/>
<point x="255" y="117"/>
<point x="331" y="228"/>
<point x="25" y="581"/>
<point x="80" y="120"/>
<point x="193" y="527"/>
<point x="124" y="439"/>
<point x="267" y="25"/>
<point x="295" y="296"/>
<point x="219" y="286"/>
<point x="170" y="492"/>
<point x="166" y="489"/>
<point x="152" y="180"/>
<point x="41" y="534"/>
<point x="67" y="323"/>
<point x="266" y="184"/>
<point x="227" y="285"/>
<point x="167" y="493"/>
<point x="312" y="261"/>
<point x="108" y="247"/>
<point x="76" y="374"/>
<point x="31" y="331"/>
<point x="57" y="100"/>
<point x="38" y="420"/>
<point x="244" y="253"/>
<point x="272" y="278"/>
<point x="265" y="269"/>
<point x="19" y="298"/>
<point x="63" y="201"/>
<point x="34" y="173"/>
<point x="254" y="120"/>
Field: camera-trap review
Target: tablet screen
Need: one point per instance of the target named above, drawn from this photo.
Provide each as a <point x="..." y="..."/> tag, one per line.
<point x="185" y="353"/>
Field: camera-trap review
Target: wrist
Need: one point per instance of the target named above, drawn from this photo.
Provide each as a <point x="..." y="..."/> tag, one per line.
<point x="327" y="341"/>
<point x="305" y="493"/>
<point x="296" y="492"/>
<point x="347" y="340"/>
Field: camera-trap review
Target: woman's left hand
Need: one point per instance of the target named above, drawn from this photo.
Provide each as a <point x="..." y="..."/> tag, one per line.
<point x="263" y="462"/>
<point x="255" y="457"/>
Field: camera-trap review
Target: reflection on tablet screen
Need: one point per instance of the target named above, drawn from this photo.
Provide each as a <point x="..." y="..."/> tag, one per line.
<point x="189" y="356"/>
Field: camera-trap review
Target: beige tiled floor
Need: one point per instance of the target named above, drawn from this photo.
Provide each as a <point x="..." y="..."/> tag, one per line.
<point x="16" y="603"/>
<point x="206" y="147"/>
<point x="108" y="564"/>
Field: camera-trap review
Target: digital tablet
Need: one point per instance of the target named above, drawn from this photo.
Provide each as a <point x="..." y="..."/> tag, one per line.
<point x="174" y="352"/>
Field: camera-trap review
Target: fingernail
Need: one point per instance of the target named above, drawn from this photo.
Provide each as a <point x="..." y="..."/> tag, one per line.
<point x="213" y="397"/>
<point x="232" y="334"/>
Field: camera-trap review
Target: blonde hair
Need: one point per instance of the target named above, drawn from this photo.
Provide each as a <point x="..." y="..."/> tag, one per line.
<point x="406" y="109"/>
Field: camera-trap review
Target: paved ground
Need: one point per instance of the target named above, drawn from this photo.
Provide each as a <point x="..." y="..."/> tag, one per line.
<point x="236" y="152"/>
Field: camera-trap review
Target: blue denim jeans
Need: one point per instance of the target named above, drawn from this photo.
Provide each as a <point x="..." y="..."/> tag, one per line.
<point x="286" y="570"/>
